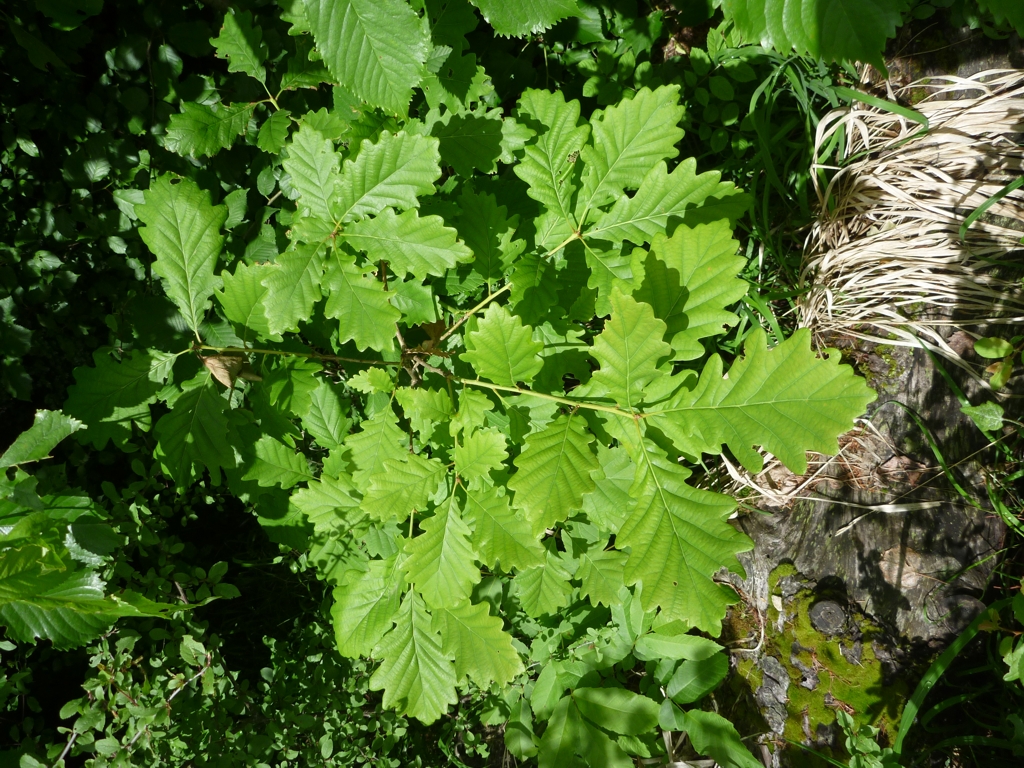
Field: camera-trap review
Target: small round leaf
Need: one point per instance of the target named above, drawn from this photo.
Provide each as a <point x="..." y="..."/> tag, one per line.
<point x="993" y="348"/>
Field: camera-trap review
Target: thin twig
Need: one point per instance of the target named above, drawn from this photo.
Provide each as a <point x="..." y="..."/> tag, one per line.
<point x="290" y="353"/>
<point x="191" y="680"/>
<point x="67" y="747"/>
<point x="167" y="703"/>
<point x="135" y="738"/>
<point x="503" y="289"/>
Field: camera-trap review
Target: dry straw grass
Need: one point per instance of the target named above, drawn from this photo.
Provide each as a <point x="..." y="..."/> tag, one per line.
<point x="867" y="461"/>
<point x="884" y="261"/>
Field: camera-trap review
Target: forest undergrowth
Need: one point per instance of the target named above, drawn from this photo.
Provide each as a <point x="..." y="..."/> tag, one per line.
<point x="367" y="367"/>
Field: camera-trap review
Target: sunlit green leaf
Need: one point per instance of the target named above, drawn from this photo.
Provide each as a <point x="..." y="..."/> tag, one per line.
<point x="628" y="139"/>
<point x="693" y="679"/>
<point x="205" y="129"/>
<point x="314" y="168"/>
<point x="47" y="430"/>
<point x="524" y="17"/>
<point x="479" y="453"/>
<point x="713" y="735"/>
<point x="549" y="162"/>
<point x="327" y="416"/>
<point x="402" y="486"/>
<point x="374" y="48"/>
<point x="242" y="45"/>
<point x="440" y="563"/>
<point x="616" y="709"/>
<point x="689" y="280"/>
<point x="277" y="464"/>
<point x="544" y="589"/>
<point x="500" y="536"/>
<point x="785" y="399"/>
<point x="482" y="650"/>
<point x="243" y="298"/>
<point x="629" y="350"/>
<point x="293" y="286"/>
<point x="425" y="408"/>
<point x="392" y="171"/>
<point x="364" y="607"/>
<point x="502" y="349"/>
<point x="554" y="472"/>
<point x="183" y="232"/>
<point x="601" y="576"/>
<point x="679" y="538"/>
<point x="422" y="245"/>
<point x="665" y="199"/>
<point x="360" y="305"/>
<point x="562" y="736"/>
<point x="416" y="675"/>
<point x="379" y="438"/>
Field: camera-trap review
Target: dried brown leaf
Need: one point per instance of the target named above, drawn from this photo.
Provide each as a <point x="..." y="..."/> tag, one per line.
<point x="435" y="331"/>
<point x="227" y="368"/>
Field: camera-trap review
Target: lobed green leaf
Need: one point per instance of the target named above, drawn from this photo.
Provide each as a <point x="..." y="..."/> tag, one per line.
<point x="554" y="472"/>
<point x="35" y="443"/>
<point x="205" y="129"/>
<point x="501" y="537"/>
<point x="361" y="306"/>
<point x="112" y="396"/>
<point x="502" y="349"/>
<point x="410" y="243"/>
<point x="365" y="605"/>
<point x="679" y="538"/>
<point x="416" y="675"/>
<point x="785" y="399"/>
<point x="482" y="651"/>
<point x="630" y="350"/>
<point x="393" y="171"/>
<point x="242" y="45"/>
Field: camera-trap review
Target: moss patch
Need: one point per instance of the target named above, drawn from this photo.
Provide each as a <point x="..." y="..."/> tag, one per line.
<point x="856" y="685"/>
<point x="743" y="628"/>
<point x="846" y="669"/>
<point x="881" y="369"/>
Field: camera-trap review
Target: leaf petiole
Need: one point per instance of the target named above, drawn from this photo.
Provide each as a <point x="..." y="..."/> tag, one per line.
<point x="474" y="310"/>
<point x="552" y="398"/>
<point x="503" y="289"/>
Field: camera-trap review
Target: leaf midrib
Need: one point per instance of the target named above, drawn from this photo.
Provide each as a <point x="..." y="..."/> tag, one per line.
<point x="614" y="164"/>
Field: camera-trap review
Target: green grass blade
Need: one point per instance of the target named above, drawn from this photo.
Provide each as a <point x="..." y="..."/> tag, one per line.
<point x="938" y="454"/>
<point x="980" y="210"/>
<point x="883" y="104"/>
<point x="816" y="753"/>
<point x="937" y="669"/>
